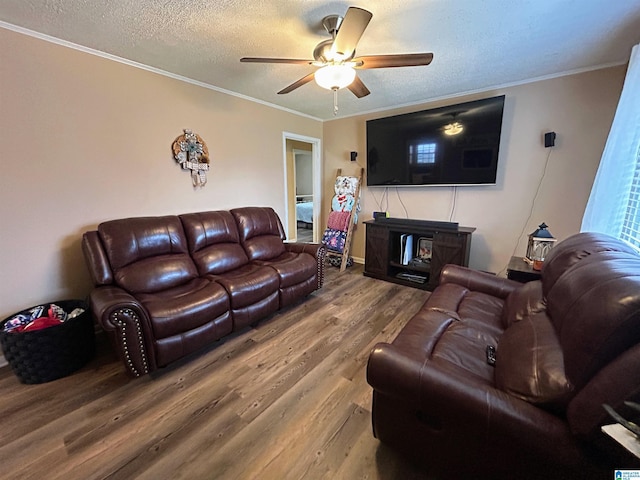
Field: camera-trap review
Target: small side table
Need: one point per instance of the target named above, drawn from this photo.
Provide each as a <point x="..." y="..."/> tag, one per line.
<point x="521" y="271"/>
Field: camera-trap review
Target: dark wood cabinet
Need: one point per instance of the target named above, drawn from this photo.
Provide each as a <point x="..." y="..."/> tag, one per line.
<point x="386" y="259"/>
<point x="376" y="249"/>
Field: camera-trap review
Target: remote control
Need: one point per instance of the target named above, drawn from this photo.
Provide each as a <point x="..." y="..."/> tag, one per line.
<point x="491" y="355"/>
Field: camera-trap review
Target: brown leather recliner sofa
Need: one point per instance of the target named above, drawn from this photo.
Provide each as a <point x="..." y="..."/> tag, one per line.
<point x="167" y="286"/>
<point x="564" y="346"/>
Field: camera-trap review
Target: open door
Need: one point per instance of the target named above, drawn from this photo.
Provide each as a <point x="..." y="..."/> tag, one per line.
<point x="302" y="182"/>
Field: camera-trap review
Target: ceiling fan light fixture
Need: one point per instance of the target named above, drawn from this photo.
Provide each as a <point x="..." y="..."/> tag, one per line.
<point x="335" y="77"/>
<point x="453" y="128"/>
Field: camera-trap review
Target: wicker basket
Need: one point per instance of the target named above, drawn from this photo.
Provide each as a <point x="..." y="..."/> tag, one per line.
<point x="51" y="353"/>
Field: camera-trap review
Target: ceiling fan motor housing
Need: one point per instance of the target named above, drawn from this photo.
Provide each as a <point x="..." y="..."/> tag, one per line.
<point x="331" y="24"/>
<point x="322" y="52"/>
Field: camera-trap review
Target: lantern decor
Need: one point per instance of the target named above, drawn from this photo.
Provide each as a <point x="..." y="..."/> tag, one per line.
<point x="540" y="242"/>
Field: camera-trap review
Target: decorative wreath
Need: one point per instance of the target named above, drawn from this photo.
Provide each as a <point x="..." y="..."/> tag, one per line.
<point x="191" y="152"/>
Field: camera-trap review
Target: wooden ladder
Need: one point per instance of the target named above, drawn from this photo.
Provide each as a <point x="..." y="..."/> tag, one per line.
<point x="347" y="243"/>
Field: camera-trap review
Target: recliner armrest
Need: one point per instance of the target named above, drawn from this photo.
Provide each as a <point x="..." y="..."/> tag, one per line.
<point x="392" y="372"/>
<point x="316" y="250"/>
<point x="478" y="281"/>
<point x="122" y="316"/>
<point x="302" y="247"/>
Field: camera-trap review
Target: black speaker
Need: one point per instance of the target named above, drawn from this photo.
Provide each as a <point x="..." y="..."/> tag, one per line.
<point x="549" y="139"/>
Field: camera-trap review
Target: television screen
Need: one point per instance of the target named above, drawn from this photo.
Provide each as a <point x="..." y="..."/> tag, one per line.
<point x="453" y="145"/>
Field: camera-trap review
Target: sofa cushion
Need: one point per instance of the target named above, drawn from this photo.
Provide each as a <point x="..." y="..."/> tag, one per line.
<point x="474" y="308"/>
<point x="147" y="254"/>
<point x="292" y="268"/>
<point x="156" y="274"/>
<point x="261" y="232"/>
<point x="571" y="251"/>
<point x="593" y="332"/>
<point x="184" y="308"/>
<point x="526" y="300"/>
<point x="214" y="242"/>
<point x="454" y="327"/>
<point x="530" y="364"/>
<point x="248" y="284"/>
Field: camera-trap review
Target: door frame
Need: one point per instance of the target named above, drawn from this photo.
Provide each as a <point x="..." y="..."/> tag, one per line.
<point x="316" y="160"/>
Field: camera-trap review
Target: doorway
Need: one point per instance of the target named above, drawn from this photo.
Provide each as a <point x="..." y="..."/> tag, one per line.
<point x="303" y="193"/>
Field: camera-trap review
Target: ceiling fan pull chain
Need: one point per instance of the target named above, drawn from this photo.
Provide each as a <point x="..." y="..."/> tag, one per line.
<point x="335" y="102"/>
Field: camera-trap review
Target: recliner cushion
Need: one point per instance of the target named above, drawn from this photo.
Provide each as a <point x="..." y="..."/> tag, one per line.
<point x="147" y="254"/>
<point x="261" y="233"/>
<point x="595" y="309"/>
<point x="214" y="242"/>
<point x="526" y="300"/>
<point x="530" y="364"/>
<point x="248" y="284"/>
<point x="184" y="308"/>
<point x="292" y="268"/>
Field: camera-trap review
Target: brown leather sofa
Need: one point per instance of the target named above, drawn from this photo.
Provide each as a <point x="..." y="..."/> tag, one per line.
<point x="564" y="346"/>
<point x="167" y="286"/>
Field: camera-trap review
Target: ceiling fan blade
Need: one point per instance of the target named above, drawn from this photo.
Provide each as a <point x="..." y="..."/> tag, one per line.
<point x="294" y="61"/>
<point x="296" y="84"/>
<point x="358" y="88"/>
<point x="351" y="29"/>
<point x="400" y="60"/>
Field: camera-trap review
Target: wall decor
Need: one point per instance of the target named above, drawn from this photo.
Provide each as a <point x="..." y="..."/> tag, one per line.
<point x="191" y="153"/>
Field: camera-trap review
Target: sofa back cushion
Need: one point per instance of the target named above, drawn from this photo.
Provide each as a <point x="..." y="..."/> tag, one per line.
<point x="572" y="250"/>
<point x="261" y="232"/>
<point x="214" y="242"/>
<point x="592" y="290"/>
<point x="96" y="259"/>
<point x="530" y="363"/>
<point x="522" y="302"/>
<point x="147" y="254"/>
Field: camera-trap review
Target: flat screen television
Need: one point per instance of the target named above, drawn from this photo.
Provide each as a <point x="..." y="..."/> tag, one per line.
<point x="448" y="146"/>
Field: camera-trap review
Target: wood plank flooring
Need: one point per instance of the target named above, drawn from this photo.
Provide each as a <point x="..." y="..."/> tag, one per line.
<point x="287" y="399"/>
<point x="304" y="234"/>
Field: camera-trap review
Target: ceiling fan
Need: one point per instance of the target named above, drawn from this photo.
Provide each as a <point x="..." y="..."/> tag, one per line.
<point x="336" y="56"/>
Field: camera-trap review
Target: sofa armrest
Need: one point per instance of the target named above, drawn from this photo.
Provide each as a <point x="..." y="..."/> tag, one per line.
<point x="316" y="250"/>
<point x="478" y="281"/>
<point x="126" y="320"/>
<point x="303" y="247"/>
<point x="460" y="402"/>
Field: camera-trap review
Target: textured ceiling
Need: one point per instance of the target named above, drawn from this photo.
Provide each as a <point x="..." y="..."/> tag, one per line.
<point x="477" y="44"/>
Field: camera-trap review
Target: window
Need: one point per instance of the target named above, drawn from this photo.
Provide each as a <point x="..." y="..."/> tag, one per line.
<point x="631" y="222"/>
<point x="614" y="203"/>
<point x="422" y="153"/>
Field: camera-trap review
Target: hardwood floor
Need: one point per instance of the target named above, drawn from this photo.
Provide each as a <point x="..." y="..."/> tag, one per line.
<point x="304" y="234"/>
<point x="285" y="400"/>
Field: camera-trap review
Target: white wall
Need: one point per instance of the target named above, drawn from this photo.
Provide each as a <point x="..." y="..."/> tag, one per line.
<point x="304" y="174"/>
<point x="85" y="139"/>
<point x="579" y="108"/>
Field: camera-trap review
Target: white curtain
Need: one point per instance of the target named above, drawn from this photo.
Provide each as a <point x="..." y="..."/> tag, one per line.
<point x="613" y="185"/>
